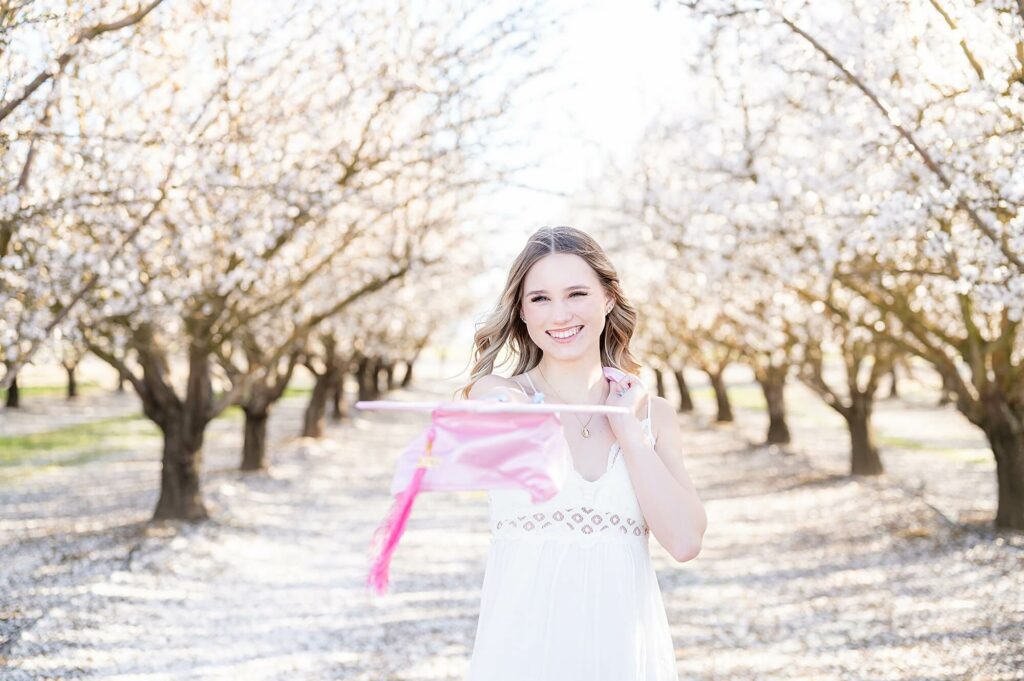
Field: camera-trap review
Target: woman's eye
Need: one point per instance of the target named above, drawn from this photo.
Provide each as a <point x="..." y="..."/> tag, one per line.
<point x="536" y="298"/>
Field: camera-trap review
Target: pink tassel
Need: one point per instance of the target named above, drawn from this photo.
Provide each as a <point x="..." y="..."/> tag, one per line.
<point x="394" y="525"/>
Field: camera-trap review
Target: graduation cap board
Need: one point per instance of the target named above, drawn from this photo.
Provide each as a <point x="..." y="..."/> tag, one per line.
<point x="476" y="445"/>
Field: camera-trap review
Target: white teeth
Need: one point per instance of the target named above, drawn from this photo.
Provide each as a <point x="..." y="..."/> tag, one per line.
<point x="566" y="334"/>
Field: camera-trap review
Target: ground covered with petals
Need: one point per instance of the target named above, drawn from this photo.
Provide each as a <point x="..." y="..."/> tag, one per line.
<point x="805" y="572"/>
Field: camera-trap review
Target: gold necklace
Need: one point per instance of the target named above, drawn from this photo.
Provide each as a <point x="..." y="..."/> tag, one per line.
<point x="586" y="431"/>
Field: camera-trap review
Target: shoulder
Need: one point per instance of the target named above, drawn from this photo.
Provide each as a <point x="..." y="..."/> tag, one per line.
<point x="664" y="420"/>
<point x="489" y="382"/>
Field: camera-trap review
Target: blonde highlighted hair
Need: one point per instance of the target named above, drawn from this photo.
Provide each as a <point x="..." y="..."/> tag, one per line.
<point x="503" y="326"/>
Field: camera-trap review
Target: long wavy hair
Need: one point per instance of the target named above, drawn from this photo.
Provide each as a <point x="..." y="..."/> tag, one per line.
<point x="503" y="326"/>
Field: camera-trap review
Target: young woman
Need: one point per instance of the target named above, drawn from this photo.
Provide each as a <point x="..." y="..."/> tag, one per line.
<point x="569" y="591"/>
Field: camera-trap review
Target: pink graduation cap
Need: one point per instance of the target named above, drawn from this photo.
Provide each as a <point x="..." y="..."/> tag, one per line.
<point x="476" y="445"/>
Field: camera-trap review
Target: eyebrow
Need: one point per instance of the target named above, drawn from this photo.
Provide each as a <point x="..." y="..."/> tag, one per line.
<point x="567" y="289"/>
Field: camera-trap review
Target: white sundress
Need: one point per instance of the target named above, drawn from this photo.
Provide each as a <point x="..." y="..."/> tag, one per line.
<point x="569" y="590"/>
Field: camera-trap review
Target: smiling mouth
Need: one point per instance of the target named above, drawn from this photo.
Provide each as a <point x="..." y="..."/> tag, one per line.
<point x="562" y="335"/>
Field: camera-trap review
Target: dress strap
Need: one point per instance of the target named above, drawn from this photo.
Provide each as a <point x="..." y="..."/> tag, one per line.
<point x="535" y="395"/>
<point x="538" y="396"/>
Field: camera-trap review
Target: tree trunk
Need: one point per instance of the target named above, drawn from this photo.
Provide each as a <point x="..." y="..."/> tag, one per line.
<point x="407" y="378"/>
<point x="773" y="386"/>
<point x="389" y="375"/>
<point x="13" y="395"/>
<point x="313" y="421"/>
<point x="1005" y="431"/>
<point x="256" y="406"/>
<point x="375" y="378"/>
<point x="721" y="398"/>
<point x="894" y="390"/>
<point x="254" y="445"/>
<point x="180" y="498"/>
<point x="864" y="456"/>
<point x="181" y="421"/>
<point x="120" y="382"/>
<point x="685" y="401"/>
<point x="338" y="395"/>
<point x="72" y="383"/>
<point x="948" y="391"/>
<point x="183" y="424"/>
<point x="659" y="382"/>
<point x="363" y="378"/>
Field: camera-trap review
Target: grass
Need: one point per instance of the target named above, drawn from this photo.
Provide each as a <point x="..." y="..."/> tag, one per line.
<point x="296" y="392"/>
<point x="89" y="440"/>
<point x="902" y="443"/>
<point x="16" y="447"/>
<point x="84" y="388"/>
<point x="963" y="455"/>
<point x="90" y="387"/>
<point x="748" y="396"/>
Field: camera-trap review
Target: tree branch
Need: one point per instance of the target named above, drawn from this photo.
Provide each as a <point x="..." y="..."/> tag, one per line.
<point x="909" y="137"/>
<point x="82" y="36"/>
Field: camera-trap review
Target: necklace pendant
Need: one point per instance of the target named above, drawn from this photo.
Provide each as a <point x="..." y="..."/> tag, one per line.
<point x="586" y="433"/>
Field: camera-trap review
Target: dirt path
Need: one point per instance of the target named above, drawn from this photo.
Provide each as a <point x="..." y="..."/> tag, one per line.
<point x="804" y="574"/>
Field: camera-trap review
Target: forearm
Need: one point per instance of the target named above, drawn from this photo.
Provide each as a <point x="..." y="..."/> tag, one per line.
<point x="673" y="512"/>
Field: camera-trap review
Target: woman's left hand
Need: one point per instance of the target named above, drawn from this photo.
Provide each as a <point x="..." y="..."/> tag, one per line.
<point x="634" y="396"/>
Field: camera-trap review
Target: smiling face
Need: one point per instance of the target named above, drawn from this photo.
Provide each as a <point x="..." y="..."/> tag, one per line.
<point x="564" y="304"/>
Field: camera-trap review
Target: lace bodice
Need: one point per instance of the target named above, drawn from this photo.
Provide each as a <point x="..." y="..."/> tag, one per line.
<point x="582" y="519"/>
<point x="583" y="511"/>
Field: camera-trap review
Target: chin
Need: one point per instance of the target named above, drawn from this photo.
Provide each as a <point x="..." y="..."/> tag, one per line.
<point x="572" y="349"/>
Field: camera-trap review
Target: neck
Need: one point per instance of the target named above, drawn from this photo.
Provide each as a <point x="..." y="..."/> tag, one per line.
<point x="573" y="381"/>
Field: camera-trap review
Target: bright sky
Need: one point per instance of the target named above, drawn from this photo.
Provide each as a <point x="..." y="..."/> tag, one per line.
<point x="626" y="61"/>
<point x="623" y="63"/>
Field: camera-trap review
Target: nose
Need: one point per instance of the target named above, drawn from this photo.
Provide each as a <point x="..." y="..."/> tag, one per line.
<point x="563" y="313"/>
